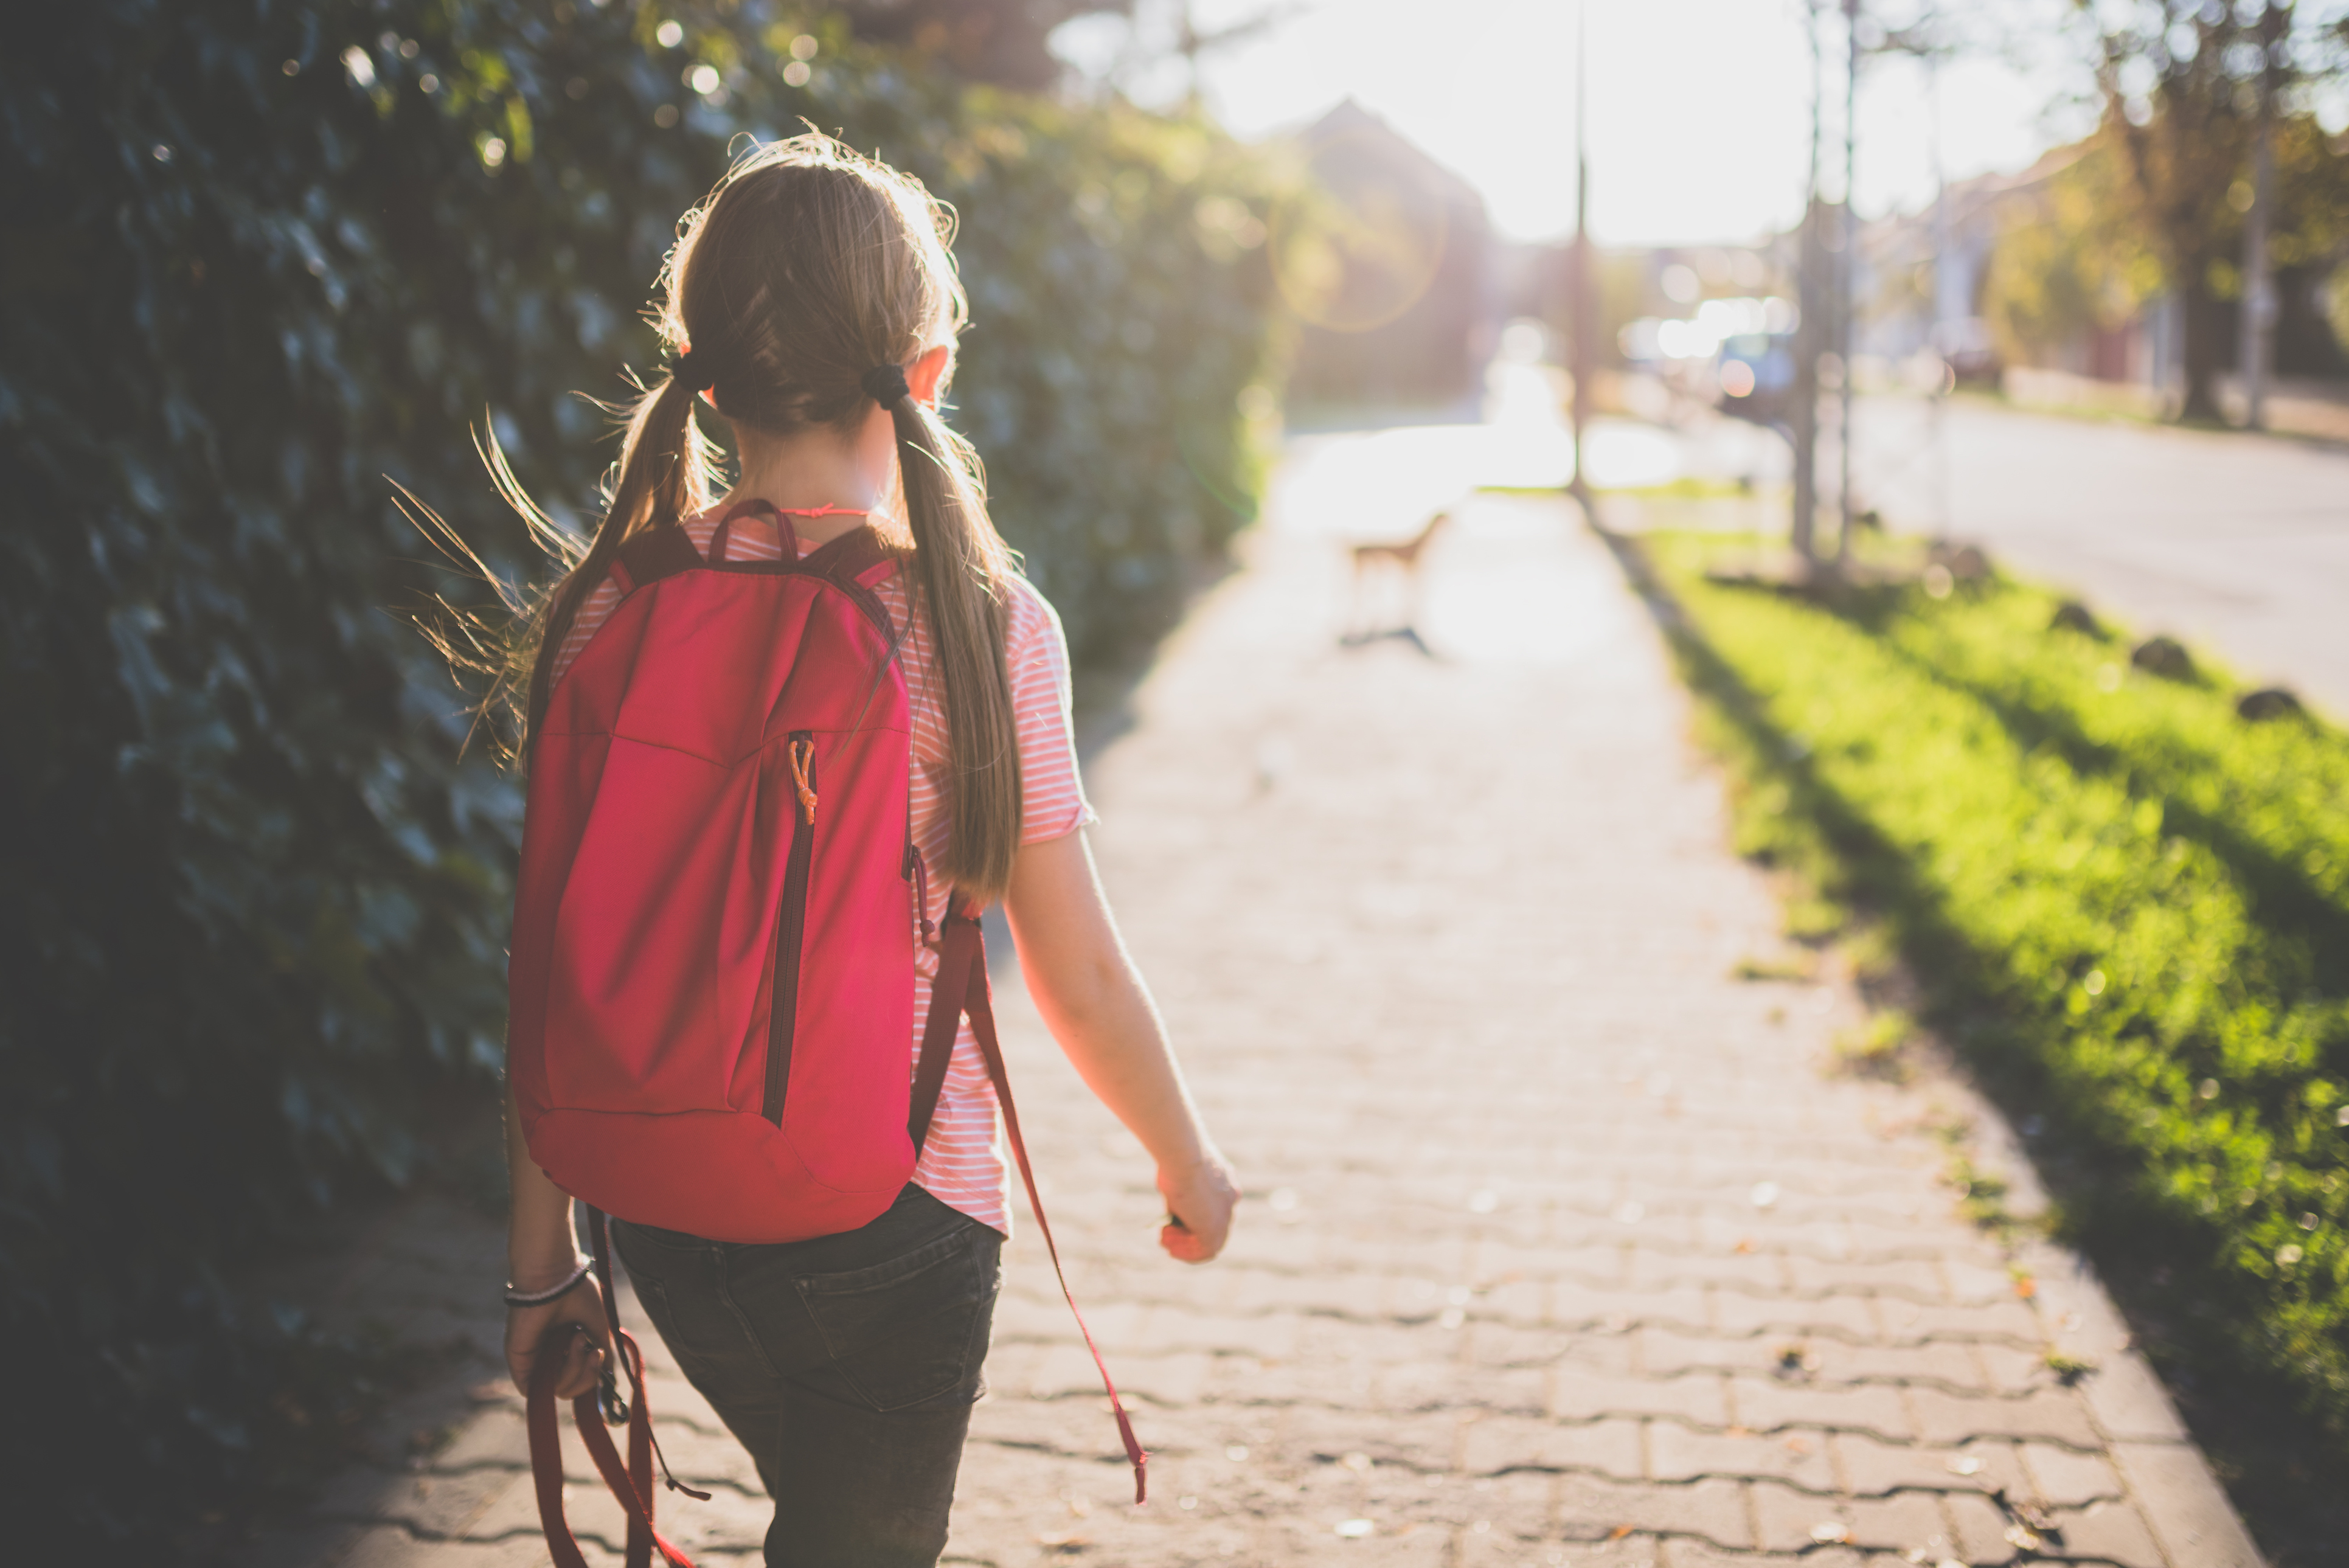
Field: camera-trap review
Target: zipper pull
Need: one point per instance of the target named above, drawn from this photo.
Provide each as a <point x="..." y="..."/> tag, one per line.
<point x="802" y="758"/>
<point x="922" y="896"/>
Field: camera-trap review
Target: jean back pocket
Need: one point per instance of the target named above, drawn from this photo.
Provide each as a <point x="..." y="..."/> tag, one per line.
<point x="913" y="1329"/>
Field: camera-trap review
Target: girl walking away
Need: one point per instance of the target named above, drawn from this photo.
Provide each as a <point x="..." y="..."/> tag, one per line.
<point x="785" y="744"/>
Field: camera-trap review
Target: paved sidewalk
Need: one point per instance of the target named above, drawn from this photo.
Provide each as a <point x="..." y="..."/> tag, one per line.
<point x="1561" y="1246"/>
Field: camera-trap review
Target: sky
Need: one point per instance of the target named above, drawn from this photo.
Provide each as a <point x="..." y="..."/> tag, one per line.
<point x="1699" y="109"/>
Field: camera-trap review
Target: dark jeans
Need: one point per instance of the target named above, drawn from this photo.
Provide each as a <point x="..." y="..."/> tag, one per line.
<point x="847" y="1366"/>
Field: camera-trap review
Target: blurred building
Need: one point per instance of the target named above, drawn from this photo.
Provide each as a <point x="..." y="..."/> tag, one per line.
<point x="1919" y="278"/>
<point x="1924" y="284"/>
<point x="1396" y="277"/>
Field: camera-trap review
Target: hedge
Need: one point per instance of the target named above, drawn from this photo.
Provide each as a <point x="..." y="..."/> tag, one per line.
<point x="253" y="910"/>
<point x="2129" y="902"/>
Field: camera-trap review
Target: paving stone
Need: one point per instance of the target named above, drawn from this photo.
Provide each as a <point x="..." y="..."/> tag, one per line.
<point x="2013" y="1368"/>
<point x="1970" y="1281"/>
<point x="1914" y="1279"/>
<point x="1903" y="1522"/>
<point x="2111" y="1531"/>
<point x="1575" y="1304"/>
<point x="2183" y="1502"/>
<point x="1503" y="1345"/>
<point x="2007" y="1318"/>
<point x="2129" y="1402"/>
<point x="1981" y="1528"/>
<point x="1741" y="1312"/>
<point x="1650" y="1268"/>
<point x="1872" y="1467"/>
<point x="1494" y="1519"/>
<point x="429" y="1505"/>
<point x="1767" y="1405"/>
<point x="1697" y="1554"/>
<point x="1681" y="1453"/>
<point x="1589" y="1510"/>
<point x="1439" y="1387"/>
<point x="1792" y="1521"/>
<point x="385" y="1546"/>
<point x="730" y="1519"/>
<point x="2056" y="1413"/>
<point x="1813" y="1360"/>
<point x="1696" y="1396"/>
<point x="1609" y="1447"/>
<point x="2068" y="1478"/>
<point x="1664" y="1352"/>
<point x="1938" y="1362"/>
<point x="1427" y="1440"/>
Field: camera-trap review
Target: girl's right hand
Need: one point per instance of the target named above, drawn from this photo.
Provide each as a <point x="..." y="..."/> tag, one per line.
<point x="1200" y="1199"/>
<point x="530" y="1329"/>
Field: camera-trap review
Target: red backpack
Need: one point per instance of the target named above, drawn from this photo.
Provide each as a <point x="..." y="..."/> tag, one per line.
<point x="713" y="970"/>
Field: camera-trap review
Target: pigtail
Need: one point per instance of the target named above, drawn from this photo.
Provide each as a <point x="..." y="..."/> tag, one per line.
<point x="961" y="575"/>
<point x="663" y="477"/>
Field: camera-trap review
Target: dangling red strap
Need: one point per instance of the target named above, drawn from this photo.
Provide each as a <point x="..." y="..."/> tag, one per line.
<point x="632" y="1485"/>
<point x="546" y="1454"/>
<point x="979" y="1002"/>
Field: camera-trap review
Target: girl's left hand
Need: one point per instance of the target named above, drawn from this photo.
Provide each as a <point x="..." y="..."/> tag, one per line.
<point x="535" y="1331"/>
<point x="1200" y="1199"/>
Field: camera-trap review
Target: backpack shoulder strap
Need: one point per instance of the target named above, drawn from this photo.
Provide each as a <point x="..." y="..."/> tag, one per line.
<point x="655" y="553"/>
<point x="856" y="564"/>
<point x="853" y="557"/>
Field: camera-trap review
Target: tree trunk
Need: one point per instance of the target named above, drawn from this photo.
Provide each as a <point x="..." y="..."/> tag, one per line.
<point x="2204" y="352"/>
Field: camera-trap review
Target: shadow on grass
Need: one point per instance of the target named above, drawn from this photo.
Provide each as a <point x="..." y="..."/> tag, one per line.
<point x="2283" y="902"/>
<point x="2184" y="1313"/>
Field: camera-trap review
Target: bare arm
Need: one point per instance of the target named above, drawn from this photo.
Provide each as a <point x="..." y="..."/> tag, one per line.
<point x="541" y="1248"/>
<point x="1095" y="1003"/>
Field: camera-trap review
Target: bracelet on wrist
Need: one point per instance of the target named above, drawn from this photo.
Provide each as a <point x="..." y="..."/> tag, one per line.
<point x="553" y="1292"/>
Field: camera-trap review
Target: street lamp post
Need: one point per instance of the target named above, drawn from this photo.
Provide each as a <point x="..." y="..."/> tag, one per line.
<point x="1804" y="432"/>
<point x="2259" y="282"/>
<point x="1584" y="306"/>
<point x="1846" y="281"/>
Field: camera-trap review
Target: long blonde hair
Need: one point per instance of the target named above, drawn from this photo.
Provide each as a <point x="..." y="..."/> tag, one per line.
<point x="807" y="267"/>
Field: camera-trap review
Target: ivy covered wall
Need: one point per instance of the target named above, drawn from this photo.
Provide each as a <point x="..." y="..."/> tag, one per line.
<point x="261" y="263"/>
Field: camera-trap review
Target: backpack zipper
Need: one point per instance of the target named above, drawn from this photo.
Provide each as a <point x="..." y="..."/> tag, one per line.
<point x="791" y="927"/>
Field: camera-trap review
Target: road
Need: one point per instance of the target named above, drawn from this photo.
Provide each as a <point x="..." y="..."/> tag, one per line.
<point x="2238" y="542"/>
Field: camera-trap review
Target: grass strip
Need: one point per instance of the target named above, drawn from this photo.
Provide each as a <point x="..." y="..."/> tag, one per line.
<point x="2126" y="905"/>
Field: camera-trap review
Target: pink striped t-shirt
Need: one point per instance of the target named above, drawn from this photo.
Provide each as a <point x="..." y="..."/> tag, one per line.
<point x="962" y="1159"/>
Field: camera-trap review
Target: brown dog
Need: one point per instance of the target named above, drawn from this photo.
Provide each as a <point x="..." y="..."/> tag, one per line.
<point x="1398" y="558"/>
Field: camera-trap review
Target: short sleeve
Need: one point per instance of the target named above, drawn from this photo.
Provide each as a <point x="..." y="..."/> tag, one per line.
<point x="1053" y="793"/>
<point x="594" y="611"/>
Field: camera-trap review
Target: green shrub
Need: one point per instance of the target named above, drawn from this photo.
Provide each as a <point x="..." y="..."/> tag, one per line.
<point x="253" y="911"/>
<point x="2122" y="895"/>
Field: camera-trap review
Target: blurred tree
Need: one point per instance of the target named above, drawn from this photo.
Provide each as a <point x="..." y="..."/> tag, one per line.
<point x="2309" y="237"/>
<point x="2069" y="261"/>
<point x="999" y="41"/>
<point x="2180" y="81"/>
<point x="2078" y="257"/>
<point x="263" y="262"/>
